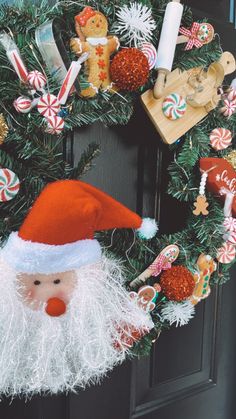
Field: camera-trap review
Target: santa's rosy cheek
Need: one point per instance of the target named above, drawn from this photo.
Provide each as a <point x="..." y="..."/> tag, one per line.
<point x="31" y="294"/>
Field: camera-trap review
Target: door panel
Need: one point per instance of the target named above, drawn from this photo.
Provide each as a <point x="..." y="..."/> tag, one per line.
<point x="127" y="165"/>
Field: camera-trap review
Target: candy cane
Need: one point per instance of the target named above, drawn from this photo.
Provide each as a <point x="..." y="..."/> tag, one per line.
<point x="69" y="80"/>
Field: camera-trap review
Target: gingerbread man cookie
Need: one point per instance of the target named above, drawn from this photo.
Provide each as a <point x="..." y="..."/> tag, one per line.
<point x="201" y="206"/>
<point x="92" y="27"/>
<point x="145" y="297"/>
<point x="206" y="266"/>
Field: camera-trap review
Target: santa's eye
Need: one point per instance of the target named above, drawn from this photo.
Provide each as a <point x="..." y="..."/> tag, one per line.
<point x="93" y="21"/>
<point x="57" y="281"/>
<point x="37" y="282"/>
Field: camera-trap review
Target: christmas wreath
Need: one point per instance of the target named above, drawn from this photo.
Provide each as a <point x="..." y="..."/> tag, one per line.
<point x="65" y="66"/>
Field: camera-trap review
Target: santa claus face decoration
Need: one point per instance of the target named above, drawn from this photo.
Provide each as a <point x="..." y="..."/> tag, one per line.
<point x="50" y="292"/>
<point x="66" y="318"/>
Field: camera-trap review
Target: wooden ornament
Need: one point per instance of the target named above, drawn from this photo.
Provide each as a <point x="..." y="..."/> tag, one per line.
<point x="221" y="175"/>
<point x="201" y="205"/>
<point x="198" y="86"/>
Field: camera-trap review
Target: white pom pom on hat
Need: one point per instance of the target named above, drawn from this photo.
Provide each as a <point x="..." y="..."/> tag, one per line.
<point x="148" y="229"/>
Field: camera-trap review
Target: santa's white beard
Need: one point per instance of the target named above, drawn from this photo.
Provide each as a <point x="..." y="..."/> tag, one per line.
<point x="39" y="353"/>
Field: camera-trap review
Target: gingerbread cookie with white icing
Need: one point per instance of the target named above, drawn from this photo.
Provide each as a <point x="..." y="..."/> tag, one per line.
<point x="92" y="28"/>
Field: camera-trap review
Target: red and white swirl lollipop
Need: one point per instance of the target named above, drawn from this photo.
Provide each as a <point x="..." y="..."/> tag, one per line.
<point x="55" y="125"/>
<point x="230" y="224"/>
<point x="232" y="95"/>
<point x="220" y="138"/>
<point x="226" y="254"/>
<point x="232" y="238"/>
<point x="150" y="52"/>
<point x="22" y="104"/>
<point x="48" y="105"/>
<point x="36" y="79"/>
<point x="229" y="107"/>
<point x="9" y="185"/>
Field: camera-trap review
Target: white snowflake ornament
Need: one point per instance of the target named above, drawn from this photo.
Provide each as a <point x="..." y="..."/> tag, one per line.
<point x="135" y="24"/>
<point x="179" y="313"/>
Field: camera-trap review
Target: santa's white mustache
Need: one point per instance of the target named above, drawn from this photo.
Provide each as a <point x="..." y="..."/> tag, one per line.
<point x="40" y="353"/>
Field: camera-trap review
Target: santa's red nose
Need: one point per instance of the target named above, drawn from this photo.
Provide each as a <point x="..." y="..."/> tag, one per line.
<point x="55" y="307"/>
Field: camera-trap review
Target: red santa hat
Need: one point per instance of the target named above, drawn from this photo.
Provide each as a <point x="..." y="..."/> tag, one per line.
<point x="58" y="232"/>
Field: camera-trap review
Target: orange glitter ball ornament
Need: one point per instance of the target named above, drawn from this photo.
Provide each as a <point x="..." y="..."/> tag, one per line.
<point x="177" y="283"/>
<point x="129" y="69"/>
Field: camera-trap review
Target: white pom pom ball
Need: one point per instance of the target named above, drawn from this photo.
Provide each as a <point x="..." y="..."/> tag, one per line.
<point x="148" y="229"/>
<point x="178" y="313"/>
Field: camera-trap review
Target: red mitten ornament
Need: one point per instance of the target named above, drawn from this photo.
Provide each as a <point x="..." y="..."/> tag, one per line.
<point x="221" y="176"/>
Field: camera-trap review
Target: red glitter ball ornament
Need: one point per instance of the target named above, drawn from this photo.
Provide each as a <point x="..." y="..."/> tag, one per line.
<point x="177" y="283"/>
<point x="129" y="69"/>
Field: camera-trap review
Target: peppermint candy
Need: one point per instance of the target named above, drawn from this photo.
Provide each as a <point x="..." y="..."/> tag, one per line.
<point x="48" y="105"/>
<point x="230" y="224"/>
<point x="226" y="253"/>
<point x="174" y="106"/>
<point x="55" y="125"/>
<point x="220" y="138"/>
<point x="36" y="79"/>
<point x="150" y="52"/>
<point x="232" y="95"/>
<point x="9" y="185"/>
<point x="232" y="238"/>
<point x="229" y="107"/>
<point x="22" y="104"/>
